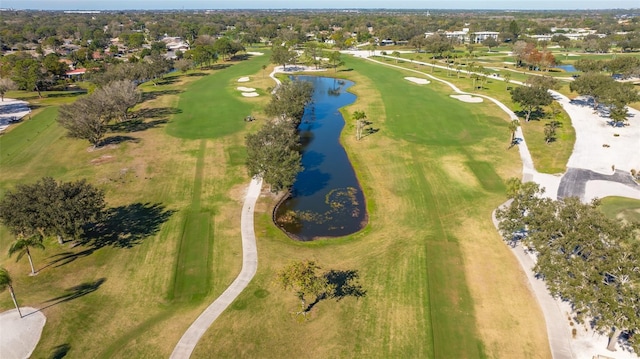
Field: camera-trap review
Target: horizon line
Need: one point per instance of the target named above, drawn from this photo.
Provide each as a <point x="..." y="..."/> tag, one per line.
<point x="319" y="8"/>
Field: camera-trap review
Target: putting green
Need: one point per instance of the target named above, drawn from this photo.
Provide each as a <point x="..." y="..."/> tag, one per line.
<point x="212" y="107"/>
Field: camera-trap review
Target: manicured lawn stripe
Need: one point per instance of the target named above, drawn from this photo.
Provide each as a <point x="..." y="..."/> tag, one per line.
<point x="212" y="107"/>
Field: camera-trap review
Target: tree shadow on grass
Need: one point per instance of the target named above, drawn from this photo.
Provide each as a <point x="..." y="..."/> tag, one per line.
<point x="536" y="115"/>
<point x="196" y="74"/>
<point x="344" y="283"/>
<point x="75" y="292"/>
<point x="136" y="125"/>
<point x="116" y="140"/>
<point x="126" y="226"/>
<point x="60" y="351"/>
<point x="216" y="67"/>
<point x="61" y="259"/>
<point x="155" y="94"/>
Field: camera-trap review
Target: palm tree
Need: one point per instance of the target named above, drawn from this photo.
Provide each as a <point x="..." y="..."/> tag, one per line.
<point x="359" y="116"/>
<point x="507" y="78"/>
<point x="513" y="127"/>
<point x="21" y="246"/>
<point x="5" y="281"/>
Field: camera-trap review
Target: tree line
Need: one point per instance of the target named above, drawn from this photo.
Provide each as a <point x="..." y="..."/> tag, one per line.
<point x="273" y="153"/>
<point x="584" y="257"/>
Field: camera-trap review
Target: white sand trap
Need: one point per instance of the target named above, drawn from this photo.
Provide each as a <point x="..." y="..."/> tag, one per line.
<point x="250" y="94"/>
<point x="246" y="89"/>
<point x="244" y="79"/>
<point x="19" y="336"/>
<point x="255" y="53"/>
<point x="468" y="98"/>
<point x="417" y="80"/>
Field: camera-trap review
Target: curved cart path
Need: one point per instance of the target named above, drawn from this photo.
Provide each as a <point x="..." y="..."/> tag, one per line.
<point x="190" y="338"/>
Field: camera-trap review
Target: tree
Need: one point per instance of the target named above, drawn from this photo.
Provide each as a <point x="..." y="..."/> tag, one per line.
<point x="418" y="42"/>
<point x="48" y="208"/>
<point x="507" y="79"/>
<point x="22" y="245"/>
<point x="6" y="282"/>
<point x="544" y="82"/>
<point x="303" y="279"/>
<point x="289" y="100"/>
<point x="183" y="65"/>
<point x="437" y="44"/>
<point x="5" y="86"/>
<point x="550" y="131"/>
<point x="118" y="96"/>
<point x="273" y="153"/>
<point x="335" y="60"/>
<point x="360" y="118"/>
<point x="28" y="74"/>
<point x="490" y="42"/>
<point x="513" y="127"/>
<point x="281" y="55"/>
<point x="84" y="119"/>
<point x="530" y="98"/>
<point x="593" y="84"/>
<point x="71" y="207"/>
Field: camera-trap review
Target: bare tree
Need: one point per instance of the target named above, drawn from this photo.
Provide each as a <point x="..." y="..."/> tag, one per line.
<point x="6" y="85"/>
<point x="119" y="97"/>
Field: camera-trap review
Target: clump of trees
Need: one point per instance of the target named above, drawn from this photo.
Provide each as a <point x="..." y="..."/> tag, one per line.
<point x="584" y="257"/>
<point x="527" y="54"/>
<point x="282" y="55"/>
<point x="48" y="208"/>
<point x="535" y="95"/>
<point x="607" y="92"/>
<point x="273" y="153"/>
<point x="88" y="117"/>
<point x="289" y="100"/>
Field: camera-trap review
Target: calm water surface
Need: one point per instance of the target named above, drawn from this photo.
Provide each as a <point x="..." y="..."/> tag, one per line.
<point x="326" y="199"/>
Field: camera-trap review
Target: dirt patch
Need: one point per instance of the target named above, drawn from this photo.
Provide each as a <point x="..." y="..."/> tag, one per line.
<point x="102" y="159"/>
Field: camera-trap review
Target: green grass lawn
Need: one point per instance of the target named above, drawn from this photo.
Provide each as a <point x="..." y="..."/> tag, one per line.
<point x="622" y="208"/>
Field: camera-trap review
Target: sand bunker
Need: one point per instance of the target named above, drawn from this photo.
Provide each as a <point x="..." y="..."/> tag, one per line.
<point x="246" y="89"/>
<point x="20" y="335"/>
<point x="255" y="53"/>
<point x="244" y="79"/>
<point x="417" y="80"/>
<point x="250" y="94"/>
<point x="467" y="98"/>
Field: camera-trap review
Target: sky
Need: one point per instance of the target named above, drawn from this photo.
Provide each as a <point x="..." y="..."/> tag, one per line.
<point x="305" y="4"/>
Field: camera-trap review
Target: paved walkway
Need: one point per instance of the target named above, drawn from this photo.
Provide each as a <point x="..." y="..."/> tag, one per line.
<point x="190" y="338"/>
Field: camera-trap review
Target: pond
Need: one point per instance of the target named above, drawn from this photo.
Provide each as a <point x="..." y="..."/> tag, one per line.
<point x="567" y="68"/>
<point x="326" y="199"/>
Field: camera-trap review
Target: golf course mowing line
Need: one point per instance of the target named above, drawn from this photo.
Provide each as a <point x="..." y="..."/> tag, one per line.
<point x="451" y="305"/>
<point x="487" y="176"/>
<point x="192" y="273"/>
<point x="140" y="329"/>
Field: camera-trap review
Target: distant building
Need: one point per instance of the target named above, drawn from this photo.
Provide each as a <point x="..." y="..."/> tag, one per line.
<point x="465" y="36"/>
